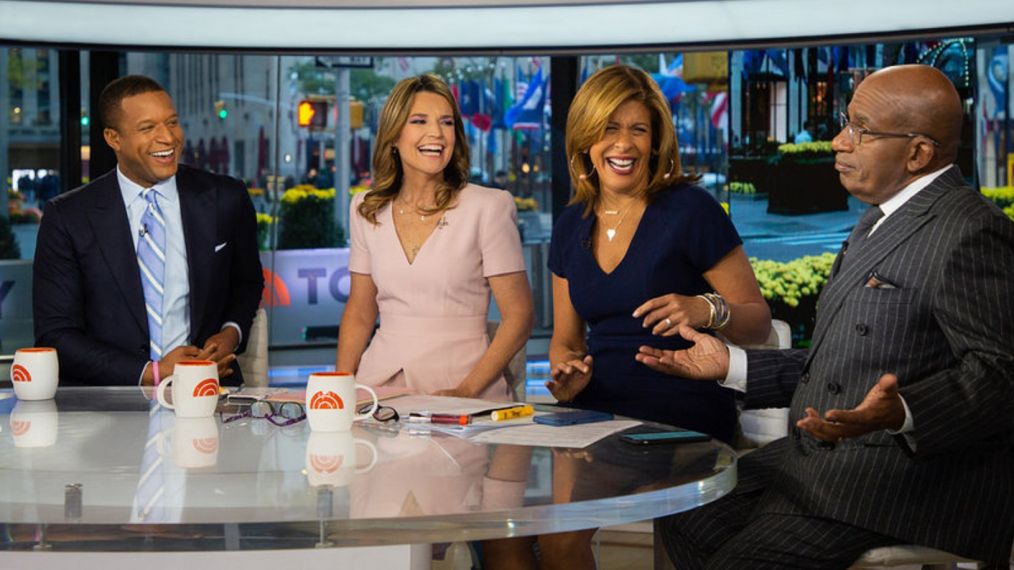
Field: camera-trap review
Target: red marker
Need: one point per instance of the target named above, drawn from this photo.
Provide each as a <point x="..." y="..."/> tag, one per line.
<point x="450" y="419"/>
<point x="453" y="419"/>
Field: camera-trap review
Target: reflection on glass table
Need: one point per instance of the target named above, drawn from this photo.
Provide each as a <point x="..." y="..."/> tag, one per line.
<point x="97" y="470"/>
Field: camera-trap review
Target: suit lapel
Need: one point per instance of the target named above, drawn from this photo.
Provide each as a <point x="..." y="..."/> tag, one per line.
<point x="108" y="219"/>
<point x="894" y="231"/>
<point x="197" y="209"/>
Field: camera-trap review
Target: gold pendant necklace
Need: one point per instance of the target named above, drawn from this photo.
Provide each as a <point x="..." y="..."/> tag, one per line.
<point x="611" y="232"/>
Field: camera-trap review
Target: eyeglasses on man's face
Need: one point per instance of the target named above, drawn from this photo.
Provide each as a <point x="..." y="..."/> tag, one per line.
<point x="856" y="133"/>
<point x="278" y="413"/>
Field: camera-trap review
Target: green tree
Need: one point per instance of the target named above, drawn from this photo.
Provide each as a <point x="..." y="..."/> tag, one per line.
<point x="366" y="84"/>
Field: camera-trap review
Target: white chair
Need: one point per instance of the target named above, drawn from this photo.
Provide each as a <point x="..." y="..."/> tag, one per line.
<point x="762" y="426"/>
<point x="254" y="362"/>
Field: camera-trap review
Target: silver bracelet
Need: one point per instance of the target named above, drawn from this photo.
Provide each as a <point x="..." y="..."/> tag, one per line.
<point x="723" y="314"/>
<point x="712" y="310"/>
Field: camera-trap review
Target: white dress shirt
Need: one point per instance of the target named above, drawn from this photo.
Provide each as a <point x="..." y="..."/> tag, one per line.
<point x="735" y="379"/>
<point x="176" y="283"/>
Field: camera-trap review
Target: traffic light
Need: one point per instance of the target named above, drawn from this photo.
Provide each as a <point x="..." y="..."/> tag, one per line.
<point x="356" y="112"/>
<point x="312" y="114"/>
<point x="221" y="111"/>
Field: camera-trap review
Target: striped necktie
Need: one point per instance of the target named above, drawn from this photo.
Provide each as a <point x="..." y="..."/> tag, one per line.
<point x="148" y="499"/>
<point x="151" y="260"/>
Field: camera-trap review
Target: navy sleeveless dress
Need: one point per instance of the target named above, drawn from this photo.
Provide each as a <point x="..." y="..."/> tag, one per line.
<point x="683" y="233"/>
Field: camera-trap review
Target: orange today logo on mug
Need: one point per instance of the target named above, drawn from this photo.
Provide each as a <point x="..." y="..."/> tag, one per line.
<point x="326" y="401"/>
<point x="326" y="463"/>
<point x="206" y="444"/>
<point x="208" y="387"/>
<point x="20" y="427"/>
<point x="20" y="374"/>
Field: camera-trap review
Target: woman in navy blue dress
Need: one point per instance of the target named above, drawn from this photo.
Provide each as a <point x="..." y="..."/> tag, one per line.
<point x="640" y="251"/>
<point x="632" y="258"/>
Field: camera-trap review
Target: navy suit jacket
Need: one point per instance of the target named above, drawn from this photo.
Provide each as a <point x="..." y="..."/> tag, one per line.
<point x="87" y="297"/>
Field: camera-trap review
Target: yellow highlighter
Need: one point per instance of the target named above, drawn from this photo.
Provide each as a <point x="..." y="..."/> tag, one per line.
<point x="512" y="413"/>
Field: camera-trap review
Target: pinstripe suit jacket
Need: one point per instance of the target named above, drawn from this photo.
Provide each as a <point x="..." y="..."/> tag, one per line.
<point x="947" y="331"/>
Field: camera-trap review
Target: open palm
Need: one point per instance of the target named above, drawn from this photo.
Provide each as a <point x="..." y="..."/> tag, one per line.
<point x="707" y="359"/>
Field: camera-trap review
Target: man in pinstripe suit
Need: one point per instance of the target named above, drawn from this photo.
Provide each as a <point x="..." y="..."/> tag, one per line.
<point x="903" y="406"/>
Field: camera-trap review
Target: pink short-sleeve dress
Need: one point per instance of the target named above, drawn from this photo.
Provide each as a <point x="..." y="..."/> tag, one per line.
<point x="433" y="311"/>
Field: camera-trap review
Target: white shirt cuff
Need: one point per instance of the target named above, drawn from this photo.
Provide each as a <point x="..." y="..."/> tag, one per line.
<point x="238" y="330"/>
<point x="908" y="426"/>
<point x="735" y="379"/>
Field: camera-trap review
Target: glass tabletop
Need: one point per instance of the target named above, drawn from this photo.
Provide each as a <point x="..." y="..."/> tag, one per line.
<point x="98" y="469"/>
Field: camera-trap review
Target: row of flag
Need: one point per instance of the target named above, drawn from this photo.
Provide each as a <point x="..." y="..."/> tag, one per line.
<point x="498" y="106"/>
<point x="494" y="107"/>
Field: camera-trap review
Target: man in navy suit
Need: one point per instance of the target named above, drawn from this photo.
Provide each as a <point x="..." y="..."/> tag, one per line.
<point x="149" y="264"/>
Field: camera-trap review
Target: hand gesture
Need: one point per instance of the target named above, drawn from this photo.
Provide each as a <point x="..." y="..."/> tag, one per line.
<point x="707" y="359"/>
<point x="667" y="313"/>
<point x="168" y="363"/>
<point x="221" y="348"/>
<point x="570" y="378"/>
<point x="880" y="409"/>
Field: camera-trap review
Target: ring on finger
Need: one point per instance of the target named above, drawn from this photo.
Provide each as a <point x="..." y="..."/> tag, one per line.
<point x="668" y="322"/>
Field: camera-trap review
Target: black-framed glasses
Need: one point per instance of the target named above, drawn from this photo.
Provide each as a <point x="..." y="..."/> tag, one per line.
<point x="382" y="414"/>
<point x="856" y="133"/>
<point x="278" y="413"/>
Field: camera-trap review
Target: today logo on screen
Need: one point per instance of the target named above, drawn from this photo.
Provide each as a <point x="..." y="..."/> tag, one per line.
<point x="20" y="374"/>
<point x="207" y="387"/>
<point x="326" y="401"/>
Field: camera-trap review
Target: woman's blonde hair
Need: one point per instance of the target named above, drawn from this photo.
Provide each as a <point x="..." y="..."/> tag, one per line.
<point x="595" y="102"/>
<point x="387" y="170"/>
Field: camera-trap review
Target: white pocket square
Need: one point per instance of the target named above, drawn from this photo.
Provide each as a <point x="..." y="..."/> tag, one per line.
<point x="219" y="247"/>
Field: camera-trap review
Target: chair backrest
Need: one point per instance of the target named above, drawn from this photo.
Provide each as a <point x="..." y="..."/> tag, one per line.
<point x="254" y="362"/>
<point x="515" y="371"/>
<point x="759" y="427"/>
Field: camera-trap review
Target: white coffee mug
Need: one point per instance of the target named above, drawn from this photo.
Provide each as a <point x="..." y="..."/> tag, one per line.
<point x="195" y="389"/>
<point x="194" y="442"/>
<point x="34" y="424"/>
<point x="331" y="458"/>
<point x="331" y="401"/>
<point x="35" y="373"/>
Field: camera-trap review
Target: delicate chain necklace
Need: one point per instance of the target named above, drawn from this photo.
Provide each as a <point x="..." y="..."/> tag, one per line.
<point x="611" y="232"/>
<point x="422" y="217"/>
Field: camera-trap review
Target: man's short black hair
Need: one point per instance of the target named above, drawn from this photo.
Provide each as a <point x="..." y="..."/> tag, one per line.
<point x="118" y="90"/>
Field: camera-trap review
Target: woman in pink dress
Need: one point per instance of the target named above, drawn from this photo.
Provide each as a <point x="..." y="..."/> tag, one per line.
<point x="427" y="248"/>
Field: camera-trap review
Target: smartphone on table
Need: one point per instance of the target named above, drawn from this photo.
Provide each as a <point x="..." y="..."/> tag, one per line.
<point x="665" y="437"/>
<point x="572" y="418"/>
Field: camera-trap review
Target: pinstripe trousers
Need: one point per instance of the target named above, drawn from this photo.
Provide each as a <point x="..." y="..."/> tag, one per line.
<point x="728" y="534"/>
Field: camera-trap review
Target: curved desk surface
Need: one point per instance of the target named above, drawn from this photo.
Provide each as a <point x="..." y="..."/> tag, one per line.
<point x="71" y="480"/>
